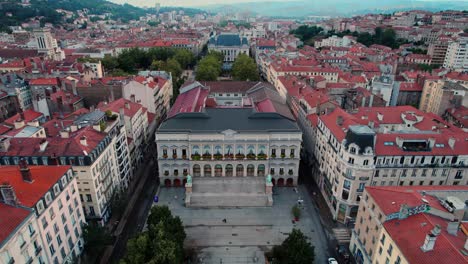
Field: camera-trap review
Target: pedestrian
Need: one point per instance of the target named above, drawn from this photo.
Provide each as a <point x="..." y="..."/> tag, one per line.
<point x="224" y="220"/>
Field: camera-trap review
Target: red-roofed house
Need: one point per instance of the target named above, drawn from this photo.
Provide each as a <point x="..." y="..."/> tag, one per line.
<point x="411" y="225"/>
<point x="31" y="198"/>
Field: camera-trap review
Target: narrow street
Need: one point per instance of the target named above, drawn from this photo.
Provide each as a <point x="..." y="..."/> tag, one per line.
<point x="134" y="219"/>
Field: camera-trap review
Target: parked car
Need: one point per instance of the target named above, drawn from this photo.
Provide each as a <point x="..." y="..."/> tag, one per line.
<point x="332" y="261"/>
<point x="343" y="251"/>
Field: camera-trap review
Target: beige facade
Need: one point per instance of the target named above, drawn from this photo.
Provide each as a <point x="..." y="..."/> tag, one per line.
<point x="440" y="95"/>
<point x="346" y="166"/>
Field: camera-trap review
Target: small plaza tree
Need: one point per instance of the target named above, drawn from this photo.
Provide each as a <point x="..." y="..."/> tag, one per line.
<point x="163" y="243"/>
<point x="294" y="250"/>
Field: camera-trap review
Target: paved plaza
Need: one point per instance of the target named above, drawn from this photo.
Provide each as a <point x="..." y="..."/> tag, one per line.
<point x="247" y="232"/>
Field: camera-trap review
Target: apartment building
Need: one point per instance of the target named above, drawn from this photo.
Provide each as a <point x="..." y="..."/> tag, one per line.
<point x="43" y="214"/>
<point x="153" y="92"/>
<point x="411" y="224"/>
<point x="384" y="146"/>
<point x="335" y="41"/>
<point x="439" y="95"/>
<point x="135" y="119"/>
<point x="92" y="154"/>
<point x="456" y="57"/>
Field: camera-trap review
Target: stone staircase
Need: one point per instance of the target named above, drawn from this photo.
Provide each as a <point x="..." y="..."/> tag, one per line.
<point x="228" y="192"/>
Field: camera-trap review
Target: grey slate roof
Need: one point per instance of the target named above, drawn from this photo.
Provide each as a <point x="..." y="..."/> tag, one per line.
<point x="228" y="40"/>
<point x="221" y="119"/>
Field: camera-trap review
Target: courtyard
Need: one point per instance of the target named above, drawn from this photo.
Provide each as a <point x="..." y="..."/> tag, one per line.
<point x="242" y="235"/>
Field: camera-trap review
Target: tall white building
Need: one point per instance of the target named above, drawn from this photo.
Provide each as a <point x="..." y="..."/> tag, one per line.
<point x="47" y="44"/>
<point x="456" y="57"/>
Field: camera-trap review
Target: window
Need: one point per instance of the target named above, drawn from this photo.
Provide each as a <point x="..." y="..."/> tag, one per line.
<point x="390" y="250"/>
<point x="62" y="252"/>
<point x="351" y="160"/>
<point x="21" y="241"/>
<point x="377" y="172"/>
<point x="52" y="249"/>
<point x="459" y="174"/>
<point x="60" y="204"/>
<point x="56" y="229"/>
<point x="89" y="198"/>
<point x="347" y="184"/>
<point x="380" y="250"/>
<point x="59" y="240"/>
<point x="64" y="219"/>
<point x="361" y="187"/>
<point x="48" y="237"/>
<point x="398" y="260"/>
<point x="67" y="231"/>
<point x="382" y="240"/>
<point x="51" y="214"/>
<point x="366" y="162"/>
<point x="44" y="222"/>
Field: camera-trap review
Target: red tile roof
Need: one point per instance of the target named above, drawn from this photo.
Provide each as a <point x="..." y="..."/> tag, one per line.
<point x="44" y="177"/>
<point x="130" y="108"/>
<point x="57" y="146"/>
<point x="43" y="81"/>
<point x="409" y="234"/>
<point x="12" y="217"/>
<point x="29" y="115"/>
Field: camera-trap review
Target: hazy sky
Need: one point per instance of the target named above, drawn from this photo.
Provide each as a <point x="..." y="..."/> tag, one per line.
<point x="184" y="2"/>
<point x="152" y="3"/>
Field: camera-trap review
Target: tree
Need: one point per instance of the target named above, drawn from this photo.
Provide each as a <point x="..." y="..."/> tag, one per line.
<point x="209" y="68"/>
<point x="96" y="238"/>
<point x="294" y="250"/>
<point x="185" y="58"/>
<point x="162" y="243"/>
<point x="244" y="69"/>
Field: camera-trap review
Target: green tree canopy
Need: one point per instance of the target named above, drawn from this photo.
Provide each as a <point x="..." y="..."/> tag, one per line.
<point x="245" y="69"/>
<point x="95" y="239"/>
<point x="163" y="243"/>
<point x="294" y="250"/>
<point x="209" y="68"/>
<point x="185" y="58"/>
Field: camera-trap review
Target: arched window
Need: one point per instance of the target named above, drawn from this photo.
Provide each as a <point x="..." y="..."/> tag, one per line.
<point x="251" y="149"/>
<point x="218" y="150"/>
<point x="207" y="149"/>
<point x="196" y="170"/>
<point x="229" y="170"/>
<point x="250" y="170"/>
<point x="240" y="149"/>
<point x="261" y="170"/>
<point x="218" y="170"/>
<point x="228" y="150"/>
<point x="262" y="149"/>
<point x="207" y="170"/>
<point x="239" y="170"/>
<point x="196" y="150"/>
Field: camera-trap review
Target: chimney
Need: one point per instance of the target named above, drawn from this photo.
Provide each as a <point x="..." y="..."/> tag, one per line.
<point x="43" y="145"/>
<point x="452" y="227"/>
<point x="25" y="171"/>
<point x="379" y="117"/>
<point x="7" y="194"/>
<point x="431" y="142"/>
<point x="451" y="142"/>
<point x="83" y="141"/>
<point x="73" y="128"/>
<point x="430" y="240"/>
<point x="19" y="123"/>
<point x="127" y="105"/>
<point x="4" y="144"/>
<point x="64" y="134"/>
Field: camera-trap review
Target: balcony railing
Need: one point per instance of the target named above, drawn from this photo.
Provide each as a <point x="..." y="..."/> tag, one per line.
<point x="240" y="156"/>
<point x="195" y="156"/>
<point x="38" y="250"/>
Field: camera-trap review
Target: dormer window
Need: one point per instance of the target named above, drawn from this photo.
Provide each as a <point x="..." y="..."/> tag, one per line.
<point x="56" y="189"/>
<point x="388" y="143"/>
<point x="48" y="198"/>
